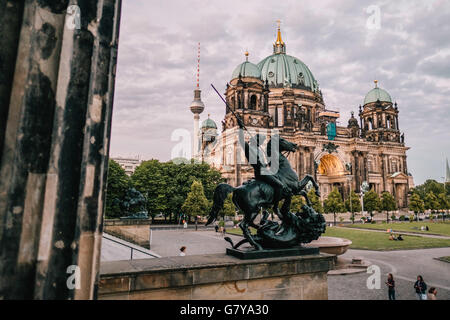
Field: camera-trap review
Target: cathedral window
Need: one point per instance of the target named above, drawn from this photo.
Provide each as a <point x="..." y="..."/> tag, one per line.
<point x="280" y="116"/>
<point x="253" y="102"/>
<point x="394" y="166"/>
<point x="370" y="165"/>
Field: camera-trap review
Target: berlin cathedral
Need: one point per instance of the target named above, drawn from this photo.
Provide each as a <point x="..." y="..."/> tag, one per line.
<point x="280" y="94"/>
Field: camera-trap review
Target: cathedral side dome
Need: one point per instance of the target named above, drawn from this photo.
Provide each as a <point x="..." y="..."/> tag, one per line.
<point x="209" y="124"/>
<point x="246" y="69"/>
<point x="377" y="94"/>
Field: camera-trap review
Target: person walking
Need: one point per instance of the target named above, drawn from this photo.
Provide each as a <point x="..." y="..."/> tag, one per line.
<point x="182" y="251"/>
<point x="432" y="293"/>
<point x="421" y="288"/>
<point x="391" y="286"/>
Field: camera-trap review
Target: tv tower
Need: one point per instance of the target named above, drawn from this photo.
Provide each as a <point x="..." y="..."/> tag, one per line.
<point x="197" y="107"/>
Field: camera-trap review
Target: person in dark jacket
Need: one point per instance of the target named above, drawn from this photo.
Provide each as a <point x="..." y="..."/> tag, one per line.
<point x="391" y="286"/>
<point x="421" y="288"/>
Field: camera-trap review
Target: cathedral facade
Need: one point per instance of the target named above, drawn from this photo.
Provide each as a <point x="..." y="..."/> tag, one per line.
<point x="281" y="95"/>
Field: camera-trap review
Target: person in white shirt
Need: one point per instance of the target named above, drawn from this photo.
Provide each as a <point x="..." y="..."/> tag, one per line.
<point x="182" y="251"/>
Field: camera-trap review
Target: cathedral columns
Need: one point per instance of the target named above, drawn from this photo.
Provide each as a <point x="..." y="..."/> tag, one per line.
<point x="383" y="170"/>
<point x="245" y="99"/>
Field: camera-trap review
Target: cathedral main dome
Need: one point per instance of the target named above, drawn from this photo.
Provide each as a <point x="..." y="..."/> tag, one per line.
<point x="281" y="69"/>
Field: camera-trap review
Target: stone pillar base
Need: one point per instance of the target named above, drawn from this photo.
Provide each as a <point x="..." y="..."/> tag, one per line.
<point x="217" y="277"/>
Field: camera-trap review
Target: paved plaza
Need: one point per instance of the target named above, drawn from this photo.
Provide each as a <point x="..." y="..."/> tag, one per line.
<point x="405" y="265"/>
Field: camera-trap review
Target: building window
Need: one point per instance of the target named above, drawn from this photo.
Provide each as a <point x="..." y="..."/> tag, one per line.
<point x="280" y="116"/>
<point x="394" y="166"/>
<point x="370" y="165"/>
<point x="253" y="102"/>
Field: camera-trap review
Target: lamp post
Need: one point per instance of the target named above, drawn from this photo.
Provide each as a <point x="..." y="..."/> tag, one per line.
<point x="350" y="198"/>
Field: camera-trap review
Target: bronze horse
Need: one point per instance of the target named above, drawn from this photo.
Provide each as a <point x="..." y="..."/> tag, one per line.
<point x="255" y="195"/>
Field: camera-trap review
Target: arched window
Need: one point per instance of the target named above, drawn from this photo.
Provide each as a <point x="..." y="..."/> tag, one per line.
<point x="252" y="102"/>
<point x="388" y="122"/>
<point x="370" y="123"/>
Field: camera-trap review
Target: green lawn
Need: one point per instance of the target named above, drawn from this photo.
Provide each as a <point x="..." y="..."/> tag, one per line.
<point x="378" y="241"/>
<point x="442" y="228"/>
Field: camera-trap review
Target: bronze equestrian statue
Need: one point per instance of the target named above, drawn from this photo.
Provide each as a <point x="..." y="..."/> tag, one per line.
<point x="267" y="190"/>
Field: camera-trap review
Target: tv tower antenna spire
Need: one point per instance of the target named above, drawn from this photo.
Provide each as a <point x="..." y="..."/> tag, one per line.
<point x="198" y="67"/>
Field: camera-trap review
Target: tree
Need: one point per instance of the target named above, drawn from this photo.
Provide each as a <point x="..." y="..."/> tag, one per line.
<point x="296" y="203"/>
<point x="430" y="186"/>
<point x="416" y="204"/>
<point x="356" y="205"/>
<point x="333" y="203"/>
<point x="196" y="202"/>
<point x="229" y="208"/>
<point x="444" y="203"/>
<point x="387" y="204"/>
<point x="117" y="185"/>
<point x="371" y="202"/>
<point x="150" y="179"/>
<point x="431" y="202"/>
<point x="315" y="200"/>
<point x="168" y="184"/>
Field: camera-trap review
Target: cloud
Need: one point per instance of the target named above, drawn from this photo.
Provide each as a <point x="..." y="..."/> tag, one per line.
<point x="156" y="71"/>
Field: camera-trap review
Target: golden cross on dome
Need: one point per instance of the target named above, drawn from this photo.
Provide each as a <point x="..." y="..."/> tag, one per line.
<point x="278" y="22"/>
<point x="376" y="83"/>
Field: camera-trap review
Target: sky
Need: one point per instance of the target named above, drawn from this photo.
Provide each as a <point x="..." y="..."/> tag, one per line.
<point x="343" y="43"/>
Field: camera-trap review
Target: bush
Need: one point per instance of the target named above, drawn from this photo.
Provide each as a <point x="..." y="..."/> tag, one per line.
<point x="235" y="222"/>
<point x="393" y="217"/>
<point x="402" y="218"/>
<point x="221" y="223"/>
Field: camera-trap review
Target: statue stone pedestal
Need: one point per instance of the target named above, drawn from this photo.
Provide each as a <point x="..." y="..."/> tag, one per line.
<point x="271" y="253"/>
<point x="217" y="277"/>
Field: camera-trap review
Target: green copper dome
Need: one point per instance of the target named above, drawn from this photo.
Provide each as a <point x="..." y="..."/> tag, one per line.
<point x="246" y="69"/>
<point x="209" y="124"/>
<point x="282" y="70"/>
<point x="377" y="94"/>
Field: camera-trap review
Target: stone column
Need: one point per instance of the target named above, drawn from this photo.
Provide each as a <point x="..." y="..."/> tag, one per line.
<point x="383" y="171"/>
<point x="54" y="144"/>
<point x="301" y="166"/>
<point x="246" y="106"/>
<point x="355" y="169"/>
<point x="313" y="171"/>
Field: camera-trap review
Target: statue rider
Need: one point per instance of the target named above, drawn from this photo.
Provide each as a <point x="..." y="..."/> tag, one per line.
<point x="253" y="152"/>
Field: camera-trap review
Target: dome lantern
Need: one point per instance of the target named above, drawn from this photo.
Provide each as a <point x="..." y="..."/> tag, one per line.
<point x="279" y="46"/>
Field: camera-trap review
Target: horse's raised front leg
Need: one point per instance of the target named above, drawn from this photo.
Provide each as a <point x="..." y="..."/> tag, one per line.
<point x="265" y="215"/>
<point x="305" y="195"/>
<point x="247" y="234"/>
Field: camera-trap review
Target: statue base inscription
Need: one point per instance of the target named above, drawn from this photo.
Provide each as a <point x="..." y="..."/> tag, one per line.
<point x="271" y="253"/>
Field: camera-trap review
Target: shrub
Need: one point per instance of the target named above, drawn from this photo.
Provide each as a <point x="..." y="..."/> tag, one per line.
<point x="402" y="218"/>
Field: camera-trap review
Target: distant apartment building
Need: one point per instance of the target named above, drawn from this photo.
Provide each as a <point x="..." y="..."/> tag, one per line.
<point x="128" y="164"/>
